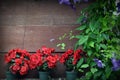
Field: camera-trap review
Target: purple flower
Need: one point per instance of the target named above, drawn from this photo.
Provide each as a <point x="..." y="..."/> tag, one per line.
<point x="99" y="63"/>
<point x="116" y="64"/>
<point x="67" y="2"/>
<point x="118" y="7"/>
<point x="64" y="2"/>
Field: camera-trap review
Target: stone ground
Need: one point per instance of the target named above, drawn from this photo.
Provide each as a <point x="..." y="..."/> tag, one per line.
<point x="29" y="24"/>
<point x="36" y="13"/>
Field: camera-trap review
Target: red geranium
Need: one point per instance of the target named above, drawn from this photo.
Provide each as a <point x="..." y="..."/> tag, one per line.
<point x="35" y="60"/>
<point x="43" y="59"/>
<point x="70" y="58"/>
<point x="18" y="61"/>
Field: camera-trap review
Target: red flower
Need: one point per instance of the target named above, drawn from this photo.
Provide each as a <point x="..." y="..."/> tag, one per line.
<point x="15" y="68"/>
<point x="69" y="52"/>
<point x="51" y="65"/>
<point x="77" y="56"/>
<point x="51" y="59"/>
<point x="24" y="69"/>
<point x="70" y="58"/>
<point x="18" y="61"/>
<point x="17" y="58"/>
<point x="7" y="59"/>
<point x="43" y="59"/>
<point x="62" y="60"/>
<point x="12" y="55"/>
<point x="35" y="60"/>
<point x="64" y="57"/>
<point x="47" y="51"/>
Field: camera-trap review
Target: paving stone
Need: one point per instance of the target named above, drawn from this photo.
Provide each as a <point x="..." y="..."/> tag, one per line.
<point x="11" y="37"/>
<point x="36" y="37"/>
<point x="41" y="12"/>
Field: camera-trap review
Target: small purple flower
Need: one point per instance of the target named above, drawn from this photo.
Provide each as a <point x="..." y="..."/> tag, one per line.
<point x="118" y="7"/>
<point x="116" y="64"/>
<point x="99" y="63"/>
<point x="64" y="2"/>
<point x="67" y="2"/>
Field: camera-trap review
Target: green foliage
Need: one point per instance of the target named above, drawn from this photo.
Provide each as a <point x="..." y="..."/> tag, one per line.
<point x="69" y="36"/>
<point x="100" y="38"/>
<point x="62" y="45"/>
<point x="69" y="64"/>
<point x="80" y="62"/>
<point x="44" y="67"/>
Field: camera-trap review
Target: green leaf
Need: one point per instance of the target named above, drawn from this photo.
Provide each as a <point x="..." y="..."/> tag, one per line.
<point x="105" y="29"/>
<point x="92" y="64"/>
<point x="78" y="36"/>
<point x="87" y="31"/>
<point x="83" y="40"/>
<point x="108" y="71"/>
<point x="106" y="36"/>
<point x="99" y="38"/>
<point x="94" y="25"/>
<point x="103" y="46"/>
<point x="62" y="45"/>
<point x="91" y="25"/>
<point x="84" y="66"/>
<point x="80" y="70"/>
<point x="91" y="44"/>
<point x="93" y="70"/>
<point x="80" y="19"/>
<point x="88" y="75"/>
<point x="63" y="36"/>
<point x="97" y="74"/>
<point x="82" y="27"/>
<point x="80" y="62"/>
<point x="97" y="47"/>
<point x="89" y="52"/>
<point x="58" y="45"/>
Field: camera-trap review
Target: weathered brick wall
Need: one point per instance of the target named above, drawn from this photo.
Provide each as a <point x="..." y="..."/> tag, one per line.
<point x="29" y="24"/>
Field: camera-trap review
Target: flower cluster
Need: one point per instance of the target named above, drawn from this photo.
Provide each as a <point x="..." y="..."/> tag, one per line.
<point x="99" y="63"/>
<point x="18" y="61"/>
<point x="116" y="64"/>
<point x="71" y="2"/>
<point x="70" y="58"/>
<point x="44" y="59"/>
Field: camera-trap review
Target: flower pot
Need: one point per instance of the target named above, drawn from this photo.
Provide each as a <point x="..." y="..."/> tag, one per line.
<point x="43" y="75"/>
<point x="71" y="75"/>
<point x="10" y="76"/>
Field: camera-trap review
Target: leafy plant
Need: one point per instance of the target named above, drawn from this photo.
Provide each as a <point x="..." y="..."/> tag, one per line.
<point x="100" y="39"/>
